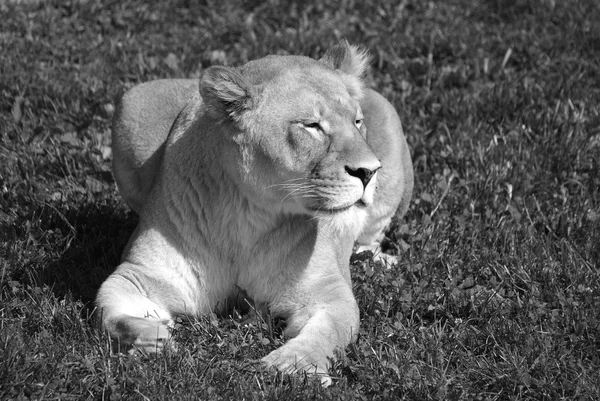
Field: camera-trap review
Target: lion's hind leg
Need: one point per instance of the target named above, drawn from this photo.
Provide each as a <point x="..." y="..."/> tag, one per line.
<point x="132" y="319"/>
<point x="370" y="241"/>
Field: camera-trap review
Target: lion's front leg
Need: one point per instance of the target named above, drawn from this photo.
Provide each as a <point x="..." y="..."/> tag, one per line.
<point x="130" y="316"/>
<point x="322" y="322"/>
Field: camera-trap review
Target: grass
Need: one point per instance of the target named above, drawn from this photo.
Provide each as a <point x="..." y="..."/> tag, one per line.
<point x="497" y="293"/>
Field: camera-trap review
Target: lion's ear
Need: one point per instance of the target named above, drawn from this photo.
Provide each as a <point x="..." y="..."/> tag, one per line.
<point x="347" y="58"/>
<point x="225" y="89"/>
<point x="352" y="62"/>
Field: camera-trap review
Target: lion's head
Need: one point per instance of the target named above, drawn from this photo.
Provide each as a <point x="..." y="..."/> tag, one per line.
<point x="298" y="137"/>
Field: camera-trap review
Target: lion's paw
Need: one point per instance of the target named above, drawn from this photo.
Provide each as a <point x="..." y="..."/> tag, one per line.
<point x="385" y="259"/>
<point x="374" y="252"/>
<point x="294" y="358"/>
<point x="144" y="335"/>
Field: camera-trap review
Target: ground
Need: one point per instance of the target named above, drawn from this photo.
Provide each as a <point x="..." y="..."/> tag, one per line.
<point x="497" y="292"/>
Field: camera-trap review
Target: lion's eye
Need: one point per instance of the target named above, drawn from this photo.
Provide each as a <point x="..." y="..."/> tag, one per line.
<point x="314" y="129"/>
<point x="358" y="122"/>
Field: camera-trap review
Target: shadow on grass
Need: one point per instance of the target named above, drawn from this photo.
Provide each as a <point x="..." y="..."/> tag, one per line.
<point x="92" y="238"/>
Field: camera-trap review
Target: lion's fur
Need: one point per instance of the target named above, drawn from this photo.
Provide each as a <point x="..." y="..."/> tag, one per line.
<point x="234" y="189"/>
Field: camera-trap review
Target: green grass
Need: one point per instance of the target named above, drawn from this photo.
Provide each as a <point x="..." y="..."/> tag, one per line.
<point x="497" y="295"/>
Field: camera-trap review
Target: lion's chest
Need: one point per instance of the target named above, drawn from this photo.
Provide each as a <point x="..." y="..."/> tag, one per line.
<point x="209" y="271"/>
<point x="213" y="241"/>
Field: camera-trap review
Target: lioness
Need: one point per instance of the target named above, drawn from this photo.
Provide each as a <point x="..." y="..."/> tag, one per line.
<point x="261" y="180"/>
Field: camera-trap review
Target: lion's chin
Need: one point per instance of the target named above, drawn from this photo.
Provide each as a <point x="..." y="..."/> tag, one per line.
<point x="346" y="220"/>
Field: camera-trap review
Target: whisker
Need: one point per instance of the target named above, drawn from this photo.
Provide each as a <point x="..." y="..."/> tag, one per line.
<point x="304" y="192"/>
<point x="287" y="182"/>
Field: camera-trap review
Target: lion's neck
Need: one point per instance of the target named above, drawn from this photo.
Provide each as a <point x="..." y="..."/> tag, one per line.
<point x="210" y="210"/>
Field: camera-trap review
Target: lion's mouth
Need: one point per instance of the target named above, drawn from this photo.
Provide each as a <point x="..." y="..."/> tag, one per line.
<point x="339" y="209"/>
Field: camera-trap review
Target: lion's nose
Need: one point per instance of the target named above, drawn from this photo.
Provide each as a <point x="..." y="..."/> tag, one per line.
<point x="364" y="174"/>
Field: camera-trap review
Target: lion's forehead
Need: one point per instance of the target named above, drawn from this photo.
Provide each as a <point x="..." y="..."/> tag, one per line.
<point x="268" y="68"/>
<point x="309" y="94"/>
<point x="296" y="88"/>
<point x="323" y="81"/>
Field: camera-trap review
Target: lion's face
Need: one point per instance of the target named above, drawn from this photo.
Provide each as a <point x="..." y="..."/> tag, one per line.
<point x="300" y="139"/>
